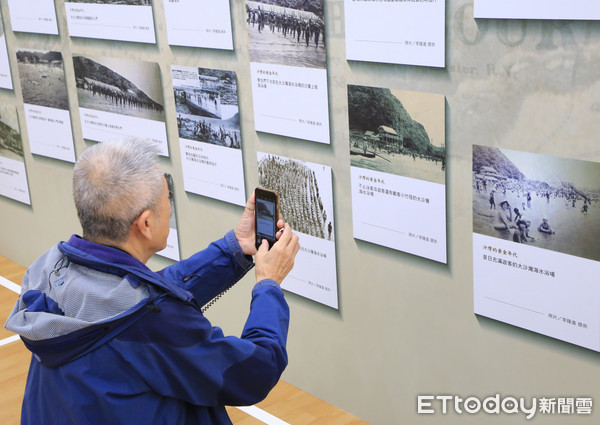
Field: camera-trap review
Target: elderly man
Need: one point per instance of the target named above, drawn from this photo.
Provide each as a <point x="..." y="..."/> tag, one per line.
<point x="114" y="342"/>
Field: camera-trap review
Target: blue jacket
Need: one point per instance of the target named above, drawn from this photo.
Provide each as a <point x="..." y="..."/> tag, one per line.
<point x="116" y="343"/>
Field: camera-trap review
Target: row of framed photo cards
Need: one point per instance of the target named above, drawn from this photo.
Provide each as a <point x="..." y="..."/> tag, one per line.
<point x="536" y="218"/>
<point x="397" y="152"/>
<point x="288" y="54"/>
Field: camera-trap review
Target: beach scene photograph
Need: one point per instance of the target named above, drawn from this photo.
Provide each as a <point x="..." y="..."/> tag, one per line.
<point x="42" y="78"/>
<point x="544" y="201"/>
<point x="397" y="132"/>
<point x="119" y="86"/>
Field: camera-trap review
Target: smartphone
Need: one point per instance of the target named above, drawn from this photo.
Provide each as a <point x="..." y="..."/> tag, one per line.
<point x="266" y="214"/>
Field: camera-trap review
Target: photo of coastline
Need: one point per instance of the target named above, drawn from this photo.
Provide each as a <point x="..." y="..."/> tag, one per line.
<point x="543" y="201"/>
<point x="119" y="86"/>
<point x="386" y="135"/>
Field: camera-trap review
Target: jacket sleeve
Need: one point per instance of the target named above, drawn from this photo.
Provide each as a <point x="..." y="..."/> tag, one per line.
<point x="212" y="270"/>
<point x="178" y="354"/>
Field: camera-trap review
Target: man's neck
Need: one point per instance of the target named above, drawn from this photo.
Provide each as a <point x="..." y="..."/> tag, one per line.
<point x="129" y="246"/>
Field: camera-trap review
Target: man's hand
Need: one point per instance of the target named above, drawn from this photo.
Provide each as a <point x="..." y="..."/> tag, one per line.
<point x="245" y="232"/>
<point x="278" y="262"/>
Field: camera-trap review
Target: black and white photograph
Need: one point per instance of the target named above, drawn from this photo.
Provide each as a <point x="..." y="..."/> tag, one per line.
<point x="287" y="32"/>
<point x="397" y="132"/>
<point x="13" y="178"/>
<point x="206" y="101"/>
<point x="42" y="78"/>
<point x="539" y="200"/>
<point x="121" y="2"/>
<point x="119" y="86"/>
<point x="11" y="145"/>
<point x="303" y="199"/>
<point x="306" y="203"/>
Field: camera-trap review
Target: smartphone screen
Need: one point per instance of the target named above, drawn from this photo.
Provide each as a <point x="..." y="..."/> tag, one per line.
<point x="266" y="216"/>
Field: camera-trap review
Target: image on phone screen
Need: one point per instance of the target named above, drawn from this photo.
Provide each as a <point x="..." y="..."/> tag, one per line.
<point x="265" y="218"/>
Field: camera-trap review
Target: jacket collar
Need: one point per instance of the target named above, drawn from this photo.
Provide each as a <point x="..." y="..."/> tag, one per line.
<point x="111" y="260"/>
<point x="105" y="253"/>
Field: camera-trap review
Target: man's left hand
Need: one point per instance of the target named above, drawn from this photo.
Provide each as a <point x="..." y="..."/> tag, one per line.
<point x="245" y="232"/>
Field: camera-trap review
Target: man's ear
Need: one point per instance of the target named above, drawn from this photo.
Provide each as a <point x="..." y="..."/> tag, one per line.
<point x="142" y="224"/>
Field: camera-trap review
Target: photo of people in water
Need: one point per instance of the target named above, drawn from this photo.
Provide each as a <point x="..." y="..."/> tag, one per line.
<point x="287" y="32"/>
<point x="543" y="201"/>
<point x="42" y="78"/>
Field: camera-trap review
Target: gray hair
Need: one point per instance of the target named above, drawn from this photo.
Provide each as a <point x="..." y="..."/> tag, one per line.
<point x="113" y="183"/>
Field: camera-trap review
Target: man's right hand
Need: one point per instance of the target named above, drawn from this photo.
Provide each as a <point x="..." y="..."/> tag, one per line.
<point x="277" y="262"/>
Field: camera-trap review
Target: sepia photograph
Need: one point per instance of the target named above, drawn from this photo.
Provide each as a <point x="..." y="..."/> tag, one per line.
<point x="11" y="145"/>
<point x="206" y="102"/>
<point x="120" y="86"/>
<point x="42" y="78"/>
<point x="544" y="201"/>
<point x="121" y="2"/>
<point x="397" y="132"/>
<point x="304" y="200"/>
<point x="287" y="32"/>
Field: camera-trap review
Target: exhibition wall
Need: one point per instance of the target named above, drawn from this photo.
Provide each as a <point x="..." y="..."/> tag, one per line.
<point x="392" y="328"/>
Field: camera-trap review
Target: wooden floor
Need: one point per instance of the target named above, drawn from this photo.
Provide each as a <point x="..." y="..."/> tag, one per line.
<point x="286" y="402"/>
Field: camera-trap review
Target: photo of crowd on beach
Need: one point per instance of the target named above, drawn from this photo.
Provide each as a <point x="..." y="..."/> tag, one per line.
<point x="287" y="32"/>
<point x="305" y="201"/>
<point x="206" y="102"/>
<point x="385" y="137"/>
<point x="42" y="78"/>
<point x="544" y="201"/>
<point x="119" y="86"/>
